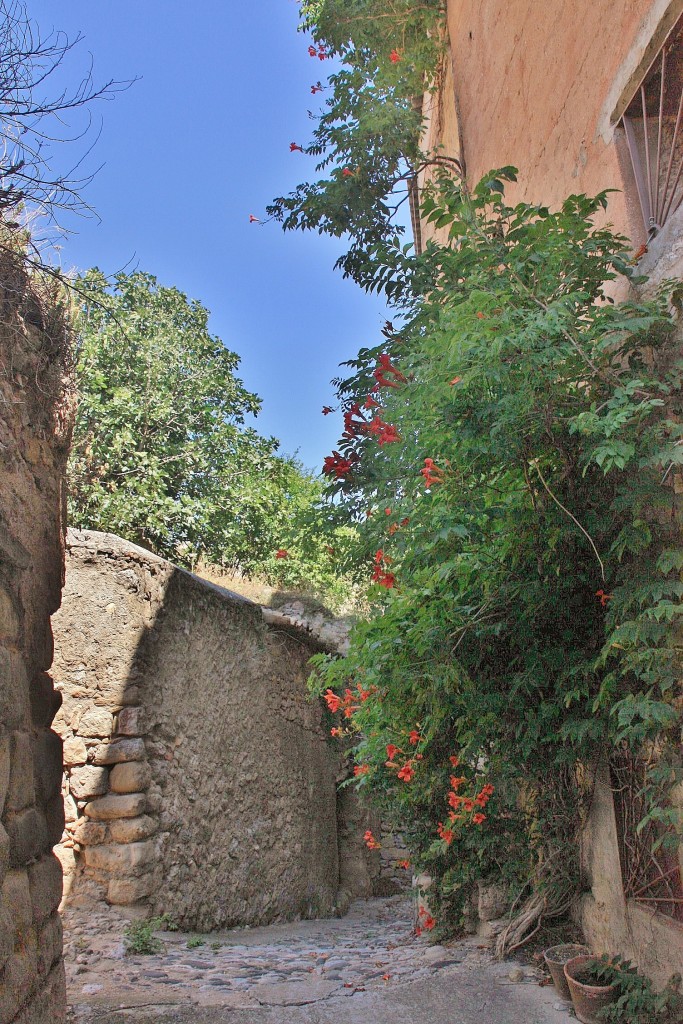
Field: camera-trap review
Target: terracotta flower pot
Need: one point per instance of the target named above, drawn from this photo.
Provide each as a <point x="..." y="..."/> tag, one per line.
<point x="587" y="1000"/>
<point x="556" y="957"/>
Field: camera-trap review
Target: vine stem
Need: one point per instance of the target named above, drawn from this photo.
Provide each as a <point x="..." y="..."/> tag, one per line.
<point x="572" y="517"/>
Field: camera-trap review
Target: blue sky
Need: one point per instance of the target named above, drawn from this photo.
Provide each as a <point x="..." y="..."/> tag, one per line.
<point x="188" y="152"/>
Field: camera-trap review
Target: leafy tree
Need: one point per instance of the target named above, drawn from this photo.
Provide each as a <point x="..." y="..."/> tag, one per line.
<point x="162" y="452"/>
<point x="367" y="136"/>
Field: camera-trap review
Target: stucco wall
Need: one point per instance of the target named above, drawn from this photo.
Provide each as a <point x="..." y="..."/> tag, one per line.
<point x="33" y="444"/>
<point x="201" y="780"/>
<point x="611" y="923"/>
<point x="540" y="85"/>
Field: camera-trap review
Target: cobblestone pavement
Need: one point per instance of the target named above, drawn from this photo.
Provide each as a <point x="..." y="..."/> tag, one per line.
<point x="365" y="966"/>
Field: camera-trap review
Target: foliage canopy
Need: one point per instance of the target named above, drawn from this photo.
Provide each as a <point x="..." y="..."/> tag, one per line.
<point x="163" y="454"/>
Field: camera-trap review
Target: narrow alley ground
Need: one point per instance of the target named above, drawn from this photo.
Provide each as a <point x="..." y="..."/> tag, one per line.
<point x="364" y="968"/>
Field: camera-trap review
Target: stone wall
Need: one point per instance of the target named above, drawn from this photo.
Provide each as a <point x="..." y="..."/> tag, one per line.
<point x="200" y="780"/>
<point x="33" y="447"/>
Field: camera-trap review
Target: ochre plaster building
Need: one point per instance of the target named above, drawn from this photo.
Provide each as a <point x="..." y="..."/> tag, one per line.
<point x="582" y="97"/>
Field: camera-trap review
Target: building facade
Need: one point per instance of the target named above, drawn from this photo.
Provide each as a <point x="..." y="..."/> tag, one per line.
<point x="582" y="97"/>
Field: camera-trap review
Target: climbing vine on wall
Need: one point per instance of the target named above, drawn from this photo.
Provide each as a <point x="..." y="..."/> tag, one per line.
<point x="507" y="457"/>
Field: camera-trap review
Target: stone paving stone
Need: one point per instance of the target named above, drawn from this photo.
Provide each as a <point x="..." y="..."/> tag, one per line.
<point x="267" y="973"/>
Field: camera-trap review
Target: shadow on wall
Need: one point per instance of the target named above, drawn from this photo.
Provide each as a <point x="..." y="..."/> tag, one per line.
<point x="200" y="781"/>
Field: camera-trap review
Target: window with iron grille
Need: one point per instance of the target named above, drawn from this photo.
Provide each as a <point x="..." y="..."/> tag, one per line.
<point x="650" y="866"/>
<point x="653" y="127"/>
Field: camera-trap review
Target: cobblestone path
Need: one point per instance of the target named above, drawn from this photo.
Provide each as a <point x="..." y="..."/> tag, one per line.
<point x="367" y="966"/>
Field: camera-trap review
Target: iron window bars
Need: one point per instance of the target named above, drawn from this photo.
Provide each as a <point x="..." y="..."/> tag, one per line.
<point x="652" y="125"/>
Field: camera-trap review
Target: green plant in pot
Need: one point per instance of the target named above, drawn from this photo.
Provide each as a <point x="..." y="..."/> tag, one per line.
<point x="610" y="990"/>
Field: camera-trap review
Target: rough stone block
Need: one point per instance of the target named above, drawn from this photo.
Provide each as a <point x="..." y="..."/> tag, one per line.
<point x="50" y="941"/>
<point x="96" y="722"/>
<point x="15" y="899"/>
<point x="49" y="1005"/>
<point x="9" y="620"/>
<point x="75" y="751"/>
<point x="115" y="806"/>
<point x="21" y="792"/>
<point x="28" y="836"/>
<point x="493" y="901"/>
<point x="130" y="777"/>
<point x="67" y="858"/>
<point x="45" y="885"/>
<point x="5" y="762"/>
<point x="6" y="937"/>
<point x="131" y="722"/>
<point x="47" y="764"/>
<point x="4" y="853"/>
<point x="54" y="816"/>
<point x="132" y="830"/>
<point x="121" y="891"/>
<point x="126" y="859"/>
<point x="70" y="809"/>
<point x="14" y="706"/>
<point x="120" y="750"/>
<point x="90" y="833"/>
<point x="88" y="781"/>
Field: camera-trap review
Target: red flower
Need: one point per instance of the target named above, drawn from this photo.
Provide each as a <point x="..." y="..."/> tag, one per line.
<point x="389" y="433"/>
<point x="317" y="87"/>
<point x="370" y="841"/>
<point x="456" y="782"/>
<point x="431" y="473"/>
<point x="333" y="700"/>
<point x="361" y="769"/>
<point x="387" y="367"/>
<point x="454" y="800"/>
<point x="478" y="818"/>
<point x="394" y="56"/>
<point x="456" y="380"/>
<point x="406" y="773"/>
<point x="327" y="409"/>
<point x="382" y="381"/>
<point x="311" y="51"/>
<point x="604" y="598"/>
<point x="282" y="553"/>
<point x="347" y="172"/>
<point x="336" y="731"/>
<point x="428" y="922"/>
<point x="293" y="146"/>
<point x="455" y="761"/>
<point x="405" y="864"/>
<point x="468" y="804"/>
<point x="336" y="465"/>
<point x="481" y="316"/>
<point x="414" y="738"/>
<point x="253" y="219"/>
<point x="447" y="834"/>
<point x="392" y="751"/>
<point x="371" y="403"/>
<point x="387" y="511"/>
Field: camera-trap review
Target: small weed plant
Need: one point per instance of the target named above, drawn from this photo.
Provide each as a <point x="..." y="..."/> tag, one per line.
<point x="139" y="938"/>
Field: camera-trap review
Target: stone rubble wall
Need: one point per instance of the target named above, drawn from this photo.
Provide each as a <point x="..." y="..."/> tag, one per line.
<point x="34" y="438"/>
<point x="200" y="780"/>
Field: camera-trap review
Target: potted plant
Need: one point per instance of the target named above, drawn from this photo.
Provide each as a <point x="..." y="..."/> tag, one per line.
<point x="592" y="986"/>
<point x="556" y="957"/>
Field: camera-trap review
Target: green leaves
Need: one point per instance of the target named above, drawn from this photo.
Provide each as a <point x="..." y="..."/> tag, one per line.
<point x="163" y="453"/>
<point x="537" y="579"/>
